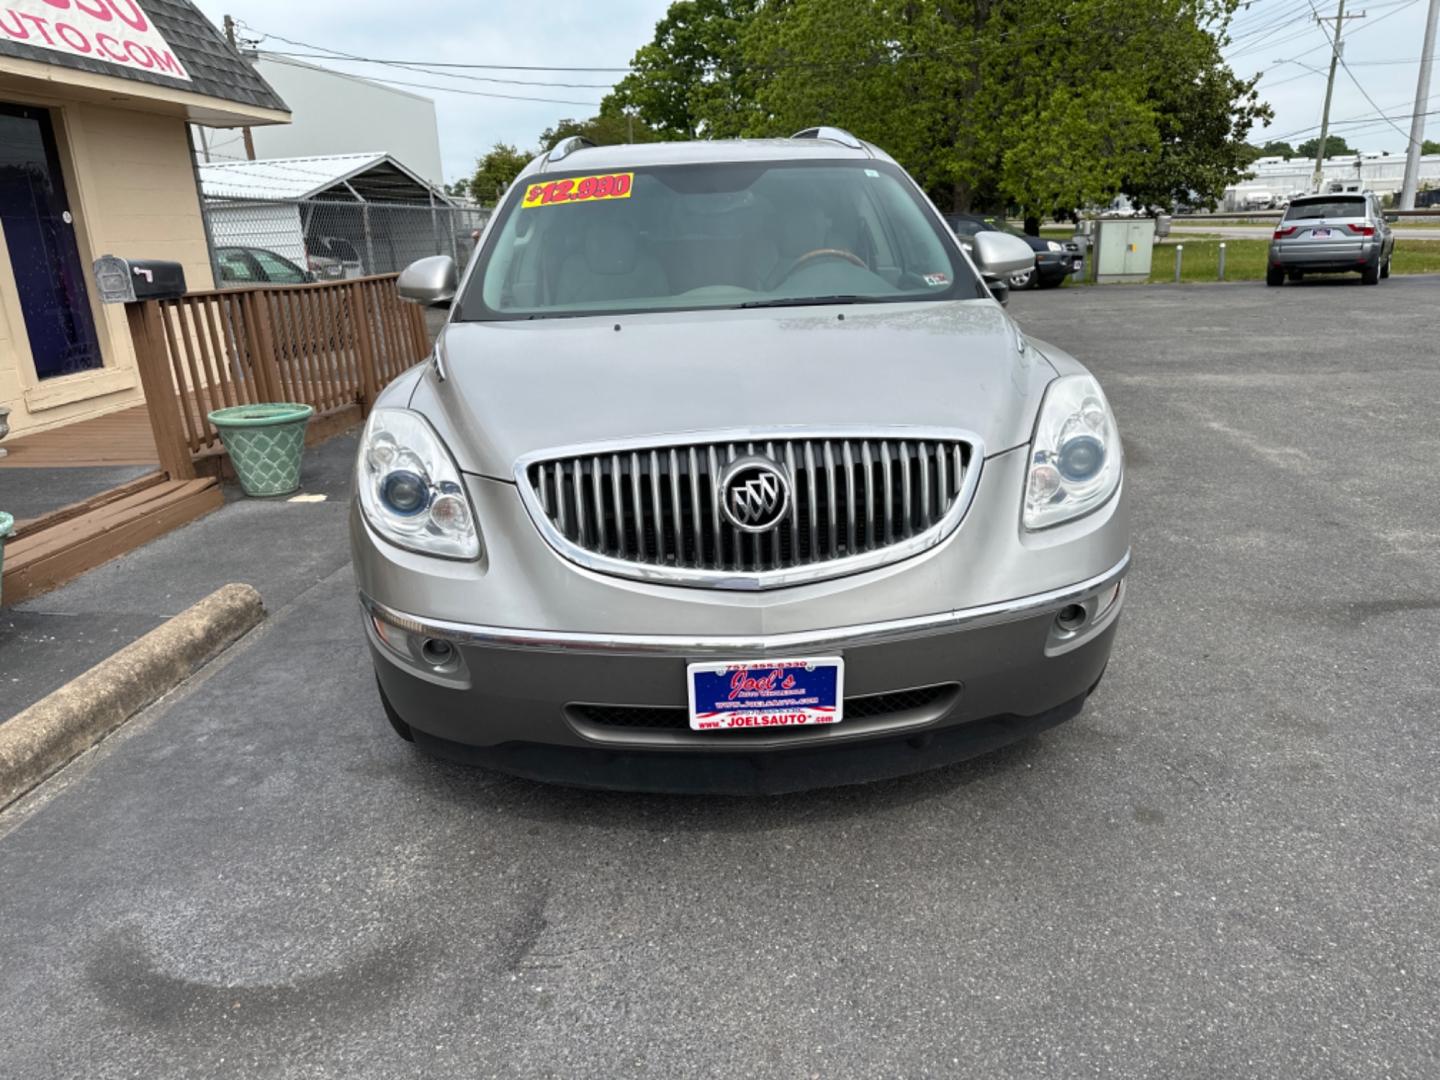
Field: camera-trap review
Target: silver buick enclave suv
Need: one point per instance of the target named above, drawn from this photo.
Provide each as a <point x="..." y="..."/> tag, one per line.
<point x="728" y="474"/>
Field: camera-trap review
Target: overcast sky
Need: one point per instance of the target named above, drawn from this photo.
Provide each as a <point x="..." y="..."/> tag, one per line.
<point x="606" y="34"/>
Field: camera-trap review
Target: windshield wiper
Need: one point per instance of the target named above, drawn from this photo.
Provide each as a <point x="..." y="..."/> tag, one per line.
<point x="813" y="301"/>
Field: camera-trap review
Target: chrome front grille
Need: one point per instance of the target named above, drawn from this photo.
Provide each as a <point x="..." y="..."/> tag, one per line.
<point x="654" y="512"/>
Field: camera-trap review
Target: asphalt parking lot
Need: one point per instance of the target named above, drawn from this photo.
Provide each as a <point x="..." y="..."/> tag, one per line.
<point x="1225" y="867"/>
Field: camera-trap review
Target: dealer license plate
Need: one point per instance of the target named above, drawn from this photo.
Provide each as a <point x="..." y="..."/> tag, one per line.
<point x="766" y="693"/>
<point x="1319" y="234"/>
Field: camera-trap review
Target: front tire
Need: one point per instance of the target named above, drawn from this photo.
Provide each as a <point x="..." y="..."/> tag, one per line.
<point x="1025" y="279"/>
<point x="1274" y="276"/>
<point x="1385" y="268"/>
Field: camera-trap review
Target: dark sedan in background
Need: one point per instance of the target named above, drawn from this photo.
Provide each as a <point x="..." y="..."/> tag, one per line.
<point x="1055" y="260"/>
<point x="240" y="266"/>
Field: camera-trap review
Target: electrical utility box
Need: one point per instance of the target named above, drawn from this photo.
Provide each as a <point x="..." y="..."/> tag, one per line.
<point x="1122" y="250"/>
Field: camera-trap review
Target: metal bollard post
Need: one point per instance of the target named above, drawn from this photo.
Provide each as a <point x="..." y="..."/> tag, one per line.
<point x="1222" y="260"/>
<point x="1179" y="258"/>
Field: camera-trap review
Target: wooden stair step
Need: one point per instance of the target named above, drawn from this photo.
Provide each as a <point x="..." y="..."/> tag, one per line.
<point x="39" y="559"/>
<point x="74" y="510"/>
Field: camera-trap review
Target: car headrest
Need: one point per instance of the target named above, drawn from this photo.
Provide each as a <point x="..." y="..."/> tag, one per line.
<point x="611" y="247"/>
<point x="802" y="230"/>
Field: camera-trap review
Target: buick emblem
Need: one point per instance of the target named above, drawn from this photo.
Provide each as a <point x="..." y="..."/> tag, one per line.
<point x="754" y="494"/>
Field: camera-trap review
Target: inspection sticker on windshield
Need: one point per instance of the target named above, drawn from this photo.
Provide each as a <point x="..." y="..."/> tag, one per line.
<point x="579" y="189"/>
<point x="937" y="280"/>
<point x="766" y="693"/>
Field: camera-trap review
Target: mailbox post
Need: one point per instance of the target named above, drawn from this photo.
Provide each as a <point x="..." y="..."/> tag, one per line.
<point x="138" y="283"/>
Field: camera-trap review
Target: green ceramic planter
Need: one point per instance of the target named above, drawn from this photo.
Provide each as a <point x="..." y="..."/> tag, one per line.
<point x="7" y="525"/>
<point x="265" y="444"/>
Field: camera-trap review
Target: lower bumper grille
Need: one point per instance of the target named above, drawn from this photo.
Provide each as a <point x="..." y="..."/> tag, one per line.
<point x="672" y="718"/>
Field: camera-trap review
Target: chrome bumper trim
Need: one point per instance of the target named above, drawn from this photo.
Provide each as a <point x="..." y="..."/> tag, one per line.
<point x="797" y="642"/>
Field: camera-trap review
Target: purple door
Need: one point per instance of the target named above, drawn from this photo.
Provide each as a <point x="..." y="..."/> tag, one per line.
<point x="49" y="276"/>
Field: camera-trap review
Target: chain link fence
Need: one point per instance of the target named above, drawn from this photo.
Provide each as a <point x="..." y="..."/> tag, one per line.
<point x="287" y="242"/>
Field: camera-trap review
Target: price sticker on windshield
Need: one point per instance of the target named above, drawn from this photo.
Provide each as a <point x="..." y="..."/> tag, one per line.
<point x="579" y="189"/>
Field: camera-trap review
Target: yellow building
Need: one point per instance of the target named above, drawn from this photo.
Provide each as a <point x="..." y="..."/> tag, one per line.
<point x="95" y="158"/>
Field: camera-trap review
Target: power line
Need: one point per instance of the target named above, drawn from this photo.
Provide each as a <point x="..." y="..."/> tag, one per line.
<point x="1370" y="119"/>
<point x="1368" y="26"/>
<point x="264" y="36"/>
<point x="1371" y="100"/>
<point x="387" y="81"/>
<point x="446" y="74"/>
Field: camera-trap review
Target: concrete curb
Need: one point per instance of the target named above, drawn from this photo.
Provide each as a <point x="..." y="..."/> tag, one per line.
<point x="38" y="741"/>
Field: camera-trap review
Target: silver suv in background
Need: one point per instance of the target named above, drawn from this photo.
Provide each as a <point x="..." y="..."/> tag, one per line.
<point x="1329" y="234"/>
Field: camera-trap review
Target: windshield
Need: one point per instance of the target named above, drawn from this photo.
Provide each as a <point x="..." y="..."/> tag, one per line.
<point x="1329" y="208"/>
<point x="713" y="236"/>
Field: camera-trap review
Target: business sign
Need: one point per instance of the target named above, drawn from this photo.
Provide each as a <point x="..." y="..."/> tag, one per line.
<point x="115" y="31"/>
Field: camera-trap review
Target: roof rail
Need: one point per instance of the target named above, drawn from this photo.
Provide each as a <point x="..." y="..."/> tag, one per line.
<point x="567" y="146"/>
<point x="834" y="134"/>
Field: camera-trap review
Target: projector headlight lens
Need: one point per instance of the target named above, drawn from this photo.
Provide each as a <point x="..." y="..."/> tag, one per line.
<point x="409" y="487"/>
<point x="1076" y="460"/>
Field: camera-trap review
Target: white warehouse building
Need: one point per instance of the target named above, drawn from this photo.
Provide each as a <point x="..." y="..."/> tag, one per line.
<point x="334" y="113"/>
<point x="1275" y="179"/>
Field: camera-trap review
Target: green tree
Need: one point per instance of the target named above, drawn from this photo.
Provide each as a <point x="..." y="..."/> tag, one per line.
<point x="690" y="80"/>
<point x="496" y="171"/>
<point x="608" y="129"/>
<point x="1429" y="146"/>
<point x="1335" y="146"/>
<point x="1278" y="149"/>
<point x="1030" y="104"/>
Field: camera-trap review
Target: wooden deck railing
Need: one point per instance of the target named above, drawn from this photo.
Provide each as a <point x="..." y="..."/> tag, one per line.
<point x="332" y="345"/>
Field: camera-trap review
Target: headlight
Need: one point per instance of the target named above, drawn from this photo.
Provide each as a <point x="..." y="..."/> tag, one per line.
<point x="1054" y="245"/>
<point x="1076" y="460"/>
<point x="410" y="489"/>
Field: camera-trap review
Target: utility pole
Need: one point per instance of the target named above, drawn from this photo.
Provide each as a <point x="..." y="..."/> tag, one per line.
<point x="1417" y="119"/>
<point x="1339" y="21"/>
<point x="250" y="139"/>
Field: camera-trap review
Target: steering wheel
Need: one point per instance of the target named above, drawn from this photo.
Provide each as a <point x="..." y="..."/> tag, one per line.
<point x="820" y="253"/>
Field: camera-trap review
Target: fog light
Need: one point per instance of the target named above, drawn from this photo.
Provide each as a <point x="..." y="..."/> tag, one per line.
<point x="1071" y="618"/>
<point x="437" y="653"/>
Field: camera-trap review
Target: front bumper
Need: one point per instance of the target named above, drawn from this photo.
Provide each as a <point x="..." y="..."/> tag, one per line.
<point x="973" y="675"/>
<point x="1057" y="265"/>
<point x="542" y="653"/>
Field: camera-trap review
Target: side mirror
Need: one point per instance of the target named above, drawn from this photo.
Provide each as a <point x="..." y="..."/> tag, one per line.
<point x="1391" y="219"/>
<point x="1000" y="254"/>
<point x="429" y="281"/>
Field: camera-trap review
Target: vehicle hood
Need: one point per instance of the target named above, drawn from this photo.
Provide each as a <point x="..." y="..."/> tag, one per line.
<point x="517" y="387"/>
